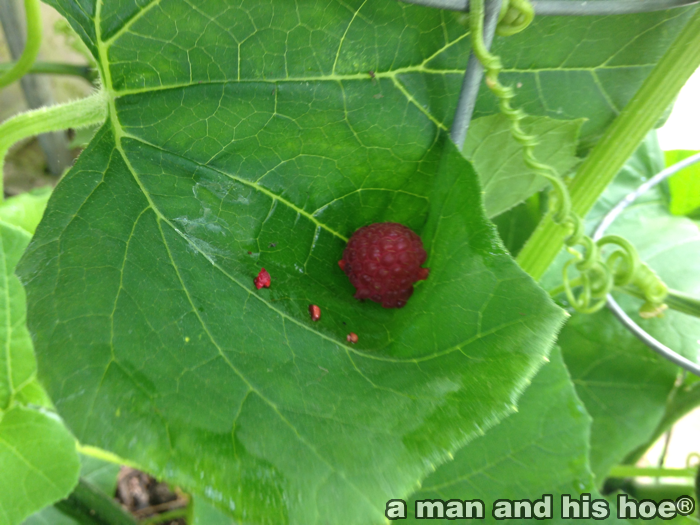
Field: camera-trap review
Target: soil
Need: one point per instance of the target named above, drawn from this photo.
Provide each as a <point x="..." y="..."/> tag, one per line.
<point x="144" y="496"/>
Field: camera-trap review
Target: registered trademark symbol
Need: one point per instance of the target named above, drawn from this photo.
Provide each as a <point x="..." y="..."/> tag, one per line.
<point x="685" y="505"/>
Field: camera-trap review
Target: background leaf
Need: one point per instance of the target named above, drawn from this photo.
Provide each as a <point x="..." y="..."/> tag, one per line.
<point x="590" y="67"/>
<point x="517" y="224"/>
<point x="40" y="454"/>
<point x="37" y="454"/>
<point x="25" y="210"/>
<point x="563" y="67"/>
<point x="498" y="158"/>
<point x="17" y="361"/>
<point x="684" y="186"/>
<point x="542" y="449"/>
<point x="623" y="383"/>
<point x="100" y="474"/>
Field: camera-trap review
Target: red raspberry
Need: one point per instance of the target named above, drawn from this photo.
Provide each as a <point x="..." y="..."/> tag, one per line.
<point x="383" y="260"/>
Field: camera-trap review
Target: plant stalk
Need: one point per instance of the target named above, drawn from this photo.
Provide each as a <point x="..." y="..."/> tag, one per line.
<point x="618" y="144"/>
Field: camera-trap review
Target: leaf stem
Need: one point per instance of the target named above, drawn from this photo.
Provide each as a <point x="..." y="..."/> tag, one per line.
<point x="31" y="48"/>
<point x="681" y="401"/>
<point x="76" y="114"/>
<point x="630" y="471"/>
<point x="89" y="505"/>
<point x="167" y="516"/>
<point x="56" y="68"/>
<point x="618" y="143"/>
<point x="104" y="455"/>
<point x="675" y="300"/>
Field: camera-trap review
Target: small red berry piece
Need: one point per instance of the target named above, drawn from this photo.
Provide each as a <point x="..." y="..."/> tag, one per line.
<point x="352" y="337"/>
<point x="315" y="312"/>
<point x="383" y="261"/>
<point x="263" y="279"/>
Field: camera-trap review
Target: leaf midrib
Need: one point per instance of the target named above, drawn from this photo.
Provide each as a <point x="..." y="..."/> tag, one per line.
<point x="390" y="74"/>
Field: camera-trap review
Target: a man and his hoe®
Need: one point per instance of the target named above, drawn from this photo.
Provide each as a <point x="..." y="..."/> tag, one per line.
<point x="571" y="508"/>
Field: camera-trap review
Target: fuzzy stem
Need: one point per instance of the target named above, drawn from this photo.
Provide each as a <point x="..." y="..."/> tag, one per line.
<point x="76" y="114"/>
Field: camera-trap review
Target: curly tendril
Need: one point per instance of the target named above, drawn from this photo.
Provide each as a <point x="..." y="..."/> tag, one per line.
<point x="516" y="15"/>
<point x="596" y="277"/>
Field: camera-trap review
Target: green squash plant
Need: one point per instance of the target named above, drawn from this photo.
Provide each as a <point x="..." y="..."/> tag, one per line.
<point x="243" y="134"/>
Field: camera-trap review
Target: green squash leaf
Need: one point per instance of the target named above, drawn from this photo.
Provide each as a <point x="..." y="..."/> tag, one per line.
<point x="37" y="449"/>
<point x="562" y="67"/>
<point x="542" y="449"/>
<point x="498" y="158"/>
<point x="684" y="186"/>
<point x="589" y="68"/>
<point x="25" y="210"/>
<point x="18" y="383"/>
<point x="622" y="382"/>
<point x="233" y="392"/>
<point x="17" y="363"/>
<point x="37" y="453"/>
<point x="101" y="474"/>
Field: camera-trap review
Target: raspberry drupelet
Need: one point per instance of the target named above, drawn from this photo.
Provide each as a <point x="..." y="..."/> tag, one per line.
<point x="383" y="261"/>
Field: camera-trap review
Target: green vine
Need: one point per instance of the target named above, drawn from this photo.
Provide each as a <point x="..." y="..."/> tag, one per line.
<point x="597" y="277"/>
<point x="31" y="48"/>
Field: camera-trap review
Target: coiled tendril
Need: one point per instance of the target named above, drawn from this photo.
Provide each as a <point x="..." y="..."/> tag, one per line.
<point x="597" y="277"/>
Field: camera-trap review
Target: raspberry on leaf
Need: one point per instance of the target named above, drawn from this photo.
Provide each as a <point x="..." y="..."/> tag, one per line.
<point x="383" y="261"/>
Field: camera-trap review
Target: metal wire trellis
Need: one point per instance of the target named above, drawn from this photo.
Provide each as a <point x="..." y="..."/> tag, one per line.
<point x="573" y="7"/>
<point x="472" y="79"/>
<point x="612" y="304"/>
<point x="470" y="89"/>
